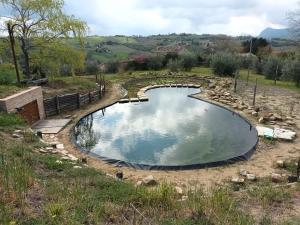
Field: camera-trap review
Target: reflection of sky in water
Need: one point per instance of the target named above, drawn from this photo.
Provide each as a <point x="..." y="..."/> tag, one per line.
<point x="170" y="129"/>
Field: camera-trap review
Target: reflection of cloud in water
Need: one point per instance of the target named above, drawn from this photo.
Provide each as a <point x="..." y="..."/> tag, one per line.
<point x="172" y="124"/>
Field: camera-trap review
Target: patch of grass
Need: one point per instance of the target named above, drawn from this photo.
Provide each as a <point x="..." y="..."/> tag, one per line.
<point x="269" y="195"/>
<point x="263" y="81"/>
<point x="7" y="90"/>
<point x="10" y="120"/>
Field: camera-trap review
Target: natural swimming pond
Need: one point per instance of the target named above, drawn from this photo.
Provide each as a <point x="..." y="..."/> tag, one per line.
<point x="170" y="131"/>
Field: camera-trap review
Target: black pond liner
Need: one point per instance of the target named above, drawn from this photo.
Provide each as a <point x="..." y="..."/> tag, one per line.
<point x="119" y="163"/>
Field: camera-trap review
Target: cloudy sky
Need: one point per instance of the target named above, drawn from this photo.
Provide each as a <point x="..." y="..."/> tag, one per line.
<point x="146" y="17"/>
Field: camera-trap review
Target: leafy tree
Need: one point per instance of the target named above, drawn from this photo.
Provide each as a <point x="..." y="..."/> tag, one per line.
<point x="224" y="64"/>
<point x="272" y="68"/>
<point x="55" y="58"/>
<point x="291" y="71"/>
<point x="42" y="20"/>
<point x="155" y="63"/>
<point x="91" y="67"/>
<point x="259" y="46"/>
<point x="112" y="67"/>
<point x="173" y="65"/>
<point x="187" y="62"/>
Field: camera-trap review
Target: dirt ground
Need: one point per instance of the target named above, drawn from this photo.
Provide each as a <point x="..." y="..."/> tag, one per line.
<point x="270" y="99"/>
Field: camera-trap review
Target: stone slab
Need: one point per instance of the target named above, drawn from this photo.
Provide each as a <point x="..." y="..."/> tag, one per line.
<point x="53" y="126"/>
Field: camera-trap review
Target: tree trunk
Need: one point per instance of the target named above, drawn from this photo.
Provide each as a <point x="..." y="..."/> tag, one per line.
<point x="26" y="58"/>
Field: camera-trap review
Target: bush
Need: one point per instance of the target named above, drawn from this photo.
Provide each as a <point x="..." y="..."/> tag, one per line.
<point x="91" y="67"/>
<point x="187" y="62"/>
<point x="224" y="64"/>
<point x="7" y="74"/>
<point x="173" y="65"/>
<point x="155" y="63"/>
<point x="291" y="71"/>
<point x="112" y="67"/>
<point x="272" y="68"/>
<point x="258" y="66"/>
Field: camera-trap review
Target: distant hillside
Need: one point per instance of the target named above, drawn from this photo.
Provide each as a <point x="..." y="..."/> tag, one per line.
<point x="270" y="33"/>
<point x="102" y="49"/>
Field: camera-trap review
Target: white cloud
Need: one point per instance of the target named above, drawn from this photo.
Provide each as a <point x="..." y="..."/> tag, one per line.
<point x="133" y="17"/>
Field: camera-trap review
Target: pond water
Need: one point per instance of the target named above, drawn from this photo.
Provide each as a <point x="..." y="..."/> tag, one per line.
<point x="170" y="130"/>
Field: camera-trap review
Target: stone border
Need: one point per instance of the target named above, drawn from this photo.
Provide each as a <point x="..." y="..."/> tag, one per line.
<point x="142" y="97"/>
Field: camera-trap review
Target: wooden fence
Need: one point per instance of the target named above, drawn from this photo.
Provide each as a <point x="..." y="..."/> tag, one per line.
<point x="62" y="103"/>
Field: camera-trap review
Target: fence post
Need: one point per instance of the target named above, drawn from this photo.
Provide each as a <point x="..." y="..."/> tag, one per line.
<point x="254" y="95"/>
<point x="78" y="100"/>
<point x="90" y="97"/>
<point x="57" y="104"/>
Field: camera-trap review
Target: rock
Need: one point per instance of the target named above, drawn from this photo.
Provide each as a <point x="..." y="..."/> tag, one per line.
<point x="251" y="177"/>
<point x="183" y="198"/>
<point x="254" y="113"/>
<point x="277" y="117"/>
<point x="139" y="183"/>
<point x="243" y="172"/>
<point x="18" y="131"/>
<point x="72" y="157"/>
<point x="272" y="118"/>
<point x="77" y="167"/>
<point x="16" y="136"/>
<point x="43" y="150"/>
<point x="179" y="190"/>
<point x="49" y="149"/>
<point x="237" y="180"/>
<point x="291" y="123"/>
<point x="211" y="86"/>
<point x="149" y="181"/>
<point x="58" y="162"/>
<point x="280" y="164"/>
<point x="276" y="178"/>
<point x="256" y="109"/>
<point x="65" y="158"/>
<point x="261" y="120"/>
<point x="119" y="175"/>
<point x="60" y="146"/>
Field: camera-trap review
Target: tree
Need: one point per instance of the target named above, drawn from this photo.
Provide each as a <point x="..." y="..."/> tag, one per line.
<point x="294" y="22"/>
<point x="291" y="71"/>
<point x="42" y="20"/>
<point x="155" y="63"/>
<point x="224" y="64"/>
<point x="257" y="46"/>
<point x="187" y="62"/>
<point x="272" y="68"/>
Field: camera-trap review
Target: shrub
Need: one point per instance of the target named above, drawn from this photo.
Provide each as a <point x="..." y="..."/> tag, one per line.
<point x="291" y="71"/>
<point x="187" y="62"/>
<point x="224" y="64"/>
<point x="91" y="67"/>
<point x="258" y="66"/>
<point x="272" y="68"/>
<point x="173" y="65"/>
<point x="155" y="63"/>
<point x="112" y="67"/>
<point x="7" y="74"/>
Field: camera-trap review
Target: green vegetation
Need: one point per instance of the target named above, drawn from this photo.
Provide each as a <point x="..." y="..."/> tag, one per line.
<point x="10" y="120"/>
<point x="224" y="64"/>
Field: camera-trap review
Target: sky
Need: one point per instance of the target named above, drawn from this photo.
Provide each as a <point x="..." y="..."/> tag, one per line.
<point x="147" y="17"/>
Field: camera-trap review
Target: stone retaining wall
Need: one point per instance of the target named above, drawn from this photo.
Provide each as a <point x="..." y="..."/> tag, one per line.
<point x="14" y="102"/>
